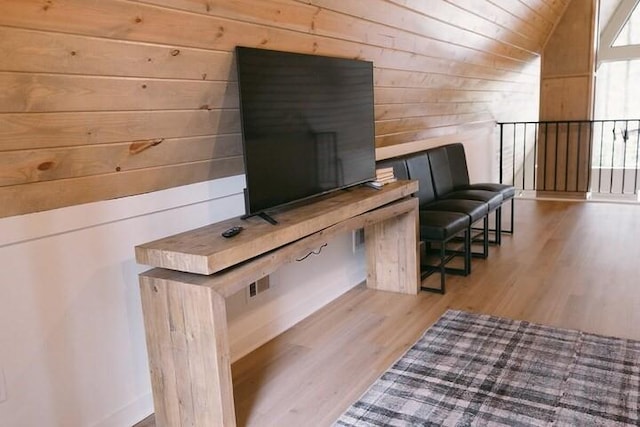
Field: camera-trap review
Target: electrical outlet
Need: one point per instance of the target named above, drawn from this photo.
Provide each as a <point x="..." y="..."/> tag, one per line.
<point x="3" y="387"/>
<point x="257" y="287"/>
<point x="253" y="289"/>
<point x="262" y="284"/>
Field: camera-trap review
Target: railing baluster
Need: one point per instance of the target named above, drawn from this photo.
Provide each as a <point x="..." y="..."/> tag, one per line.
<point x="624" y="154"/>
<point x="501" y="151"/>
<point x="600" y="163"/>
<point x="513" y="156"/>
<point x="546" y="146"/>
<point x="577" y="153"/>
<point x="589" y="159"/>
<point x="635" y="181"/>
<point x="524" y="157"/>
<point x="578" y="156"/>
<point x="535" y="154"/>
<point x="555" y="163"/>
<point x="613" y="156"/>
<point x="566" y="157"/>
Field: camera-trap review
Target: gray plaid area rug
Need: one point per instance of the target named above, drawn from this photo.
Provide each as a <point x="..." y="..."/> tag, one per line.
<point x="470" y="369"/>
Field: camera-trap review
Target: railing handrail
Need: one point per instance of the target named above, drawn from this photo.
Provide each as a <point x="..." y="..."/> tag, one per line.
<point x="567" y="121"/>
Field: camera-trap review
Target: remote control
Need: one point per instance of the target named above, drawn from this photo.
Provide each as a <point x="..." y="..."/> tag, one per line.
<point x="230" y="232"/>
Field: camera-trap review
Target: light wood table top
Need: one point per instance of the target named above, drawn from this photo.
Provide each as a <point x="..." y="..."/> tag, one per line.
<point x="205" y="251"/>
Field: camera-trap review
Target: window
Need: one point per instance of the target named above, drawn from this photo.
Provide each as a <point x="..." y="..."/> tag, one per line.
<point x="617" y="97"/>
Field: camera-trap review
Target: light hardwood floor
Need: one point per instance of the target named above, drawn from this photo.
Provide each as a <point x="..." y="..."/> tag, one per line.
<point x="569" y="264"/>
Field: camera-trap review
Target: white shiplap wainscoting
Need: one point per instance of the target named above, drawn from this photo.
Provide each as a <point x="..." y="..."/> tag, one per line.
<point x="72" y="343"/>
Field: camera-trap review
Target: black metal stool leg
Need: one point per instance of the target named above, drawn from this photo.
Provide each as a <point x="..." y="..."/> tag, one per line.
<point x="443" y="255"/>
<point x="499" y="226"/>
<point x="485" y="241"/>
<point x="467" y="251"/>
<point x="512" y="215"/>
<point x="513" y="209"/>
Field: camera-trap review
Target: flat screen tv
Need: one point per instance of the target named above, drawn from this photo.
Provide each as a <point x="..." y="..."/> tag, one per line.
<point x="307" y="125"/>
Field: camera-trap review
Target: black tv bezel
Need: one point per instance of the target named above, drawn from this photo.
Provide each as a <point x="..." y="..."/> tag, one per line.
<point x="301" y="200"/>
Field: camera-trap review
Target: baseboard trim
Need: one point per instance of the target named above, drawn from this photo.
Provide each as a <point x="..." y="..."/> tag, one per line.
<point x="131" y="414"/>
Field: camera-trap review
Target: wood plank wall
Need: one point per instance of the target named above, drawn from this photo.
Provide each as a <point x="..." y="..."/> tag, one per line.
<point x="107" y="98"/>
<point x="568" y="75"/>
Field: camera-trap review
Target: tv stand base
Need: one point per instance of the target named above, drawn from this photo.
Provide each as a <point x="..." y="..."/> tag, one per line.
<point x="185" y="313"/>
<point x="271" y="220"/>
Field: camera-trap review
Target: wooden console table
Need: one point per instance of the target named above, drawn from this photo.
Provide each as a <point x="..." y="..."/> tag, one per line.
<point x="183" y="298"/>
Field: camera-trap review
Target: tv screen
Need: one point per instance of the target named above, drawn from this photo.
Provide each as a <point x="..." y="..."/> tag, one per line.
<point x="307" y="125"/>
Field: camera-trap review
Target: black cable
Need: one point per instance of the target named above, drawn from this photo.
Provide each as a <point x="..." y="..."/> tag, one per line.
<point x="312" y="253"/>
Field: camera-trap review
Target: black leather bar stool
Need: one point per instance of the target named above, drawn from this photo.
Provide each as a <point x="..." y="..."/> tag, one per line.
<point x="441" y="227"/>
<point x="438" y="227"/>
<point x="444" y="187"/>
<point x="460" y="175"/>
<point x="419" y="168"/>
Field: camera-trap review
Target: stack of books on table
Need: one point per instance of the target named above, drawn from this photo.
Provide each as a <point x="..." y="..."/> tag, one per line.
<point x="385" y="176"/>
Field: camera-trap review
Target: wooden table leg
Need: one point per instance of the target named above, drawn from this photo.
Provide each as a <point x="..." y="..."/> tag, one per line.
<point x="393" y="263"/>
<point x="188" y="346"/>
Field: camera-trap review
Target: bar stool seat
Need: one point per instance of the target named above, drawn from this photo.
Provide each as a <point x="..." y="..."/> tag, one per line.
<point x="441" y="227"/>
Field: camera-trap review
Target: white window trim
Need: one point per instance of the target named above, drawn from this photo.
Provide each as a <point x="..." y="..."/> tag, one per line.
<point x="606" y="51"/>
